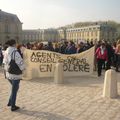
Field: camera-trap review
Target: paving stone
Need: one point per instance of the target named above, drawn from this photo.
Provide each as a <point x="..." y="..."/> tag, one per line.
<point x="80" y="98"/>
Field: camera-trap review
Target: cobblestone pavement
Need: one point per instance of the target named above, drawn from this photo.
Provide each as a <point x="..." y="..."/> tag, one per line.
<point x="80" y="98"/>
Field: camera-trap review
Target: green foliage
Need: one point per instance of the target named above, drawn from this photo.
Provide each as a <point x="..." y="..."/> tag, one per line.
<point x="88" y="23"/>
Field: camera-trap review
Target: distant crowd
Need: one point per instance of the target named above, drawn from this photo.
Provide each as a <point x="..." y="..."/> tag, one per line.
<point x="64" y="47"/>
<point x="106" y="54"/>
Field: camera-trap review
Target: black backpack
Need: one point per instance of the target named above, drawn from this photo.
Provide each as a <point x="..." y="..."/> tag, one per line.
<point x="13" y="67"/>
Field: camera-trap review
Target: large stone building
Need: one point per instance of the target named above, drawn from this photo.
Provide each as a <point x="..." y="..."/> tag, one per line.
<point x="62" y="34"/>
<point x="89" y="33"/>
<point x="40" y="35"/>
<point x="32" y="35"/>
<point x="50" y="35"/>
<point x="10" y="27"/>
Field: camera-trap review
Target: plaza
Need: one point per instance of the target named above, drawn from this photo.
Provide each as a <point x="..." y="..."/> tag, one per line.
<point x="79" y="98"/>
<point x="67" y="54"/>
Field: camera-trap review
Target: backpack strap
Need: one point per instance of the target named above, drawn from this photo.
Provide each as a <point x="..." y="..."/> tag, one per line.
<point x="13" y="55"/>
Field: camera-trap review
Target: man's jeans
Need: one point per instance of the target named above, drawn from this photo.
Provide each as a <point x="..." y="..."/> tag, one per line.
<point x="15" y="87"/>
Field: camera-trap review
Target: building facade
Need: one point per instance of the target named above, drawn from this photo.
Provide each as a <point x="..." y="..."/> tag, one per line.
<point x="40" y="35"/>
<point x="32" y="36"/>
<point x="10" y="27"/>
<point x="50" y="35"/>
<point x="62" y="34"/>
<point x="90" y="33"/>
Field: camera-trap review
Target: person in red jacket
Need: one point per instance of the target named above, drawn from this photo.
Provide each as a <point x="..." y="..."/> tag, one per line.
<point x="101" y="55"/>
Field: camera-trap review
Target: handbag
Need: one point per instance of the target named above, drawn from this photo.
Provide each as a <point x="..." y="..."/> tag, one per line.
<point x="13" y="67"/>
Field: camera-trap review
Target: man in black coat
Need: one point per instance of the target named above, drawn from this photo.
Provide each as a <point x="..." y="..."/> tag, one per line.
<point x="110" y="52"/>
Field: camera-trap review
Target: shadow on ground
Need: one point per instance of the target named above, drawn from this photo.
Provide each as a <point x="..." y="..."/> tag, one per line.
<point x="43" y="115"/>
<point x="84" y="81"/>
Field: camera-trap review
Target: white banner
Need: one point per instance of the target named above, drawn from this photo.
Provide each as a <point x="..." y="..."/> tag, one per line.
<point x="40" y="63"/>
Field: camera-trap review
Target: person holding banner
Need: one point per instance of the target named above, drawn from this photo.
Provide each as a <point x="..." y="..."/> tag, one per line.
<point x="102" y="56"/>
<point x="70" y="49"/>
<point x="14" y="78"/>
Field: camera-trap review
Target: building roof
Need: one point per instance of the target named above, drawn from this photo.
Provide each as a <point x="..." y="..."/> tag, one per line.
<point x="4" y="16"/>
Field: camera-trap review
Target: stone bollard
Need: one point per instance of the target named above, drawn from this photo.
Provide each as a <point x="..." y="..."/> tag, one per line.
<point x="58" y="74"/>
<point x="110" y="84"/>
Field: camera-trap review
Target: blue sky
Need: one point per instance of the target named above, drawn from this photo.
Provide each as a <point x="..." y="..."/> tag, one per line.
<point x="55" y="13"/>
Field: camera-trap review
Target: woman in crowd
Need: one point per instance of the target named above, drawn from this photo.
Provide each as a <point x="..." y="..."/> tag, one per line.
<point x="50" y="46"/>
<point x="70" y="49"/>
<point x="101" y="55"/>
<point x="34" y="46"/>
<point x="56" y="47"/>
<point x="14" y="79"/>
<point x="40" y="46"/>
<point x="80" y="48"/>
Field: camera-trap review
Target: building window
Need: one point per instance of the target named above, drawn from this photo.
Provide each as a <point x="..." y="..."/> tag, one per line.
<point x="29" y="36"/>
<point x="6" y="28"/>
<point x="88" y="34"/>
<point x="32" y="37"/>
<point x="80" y="34"/>
<point x="98" y="28"/>
<point x="26" y="36"/>
<point x="83" y="34"/>
<point x="113" y="34"/>
<point x="13" y="19"/>
<point x="17" y="28"/>
<point x="91" y="33"/>
<point x="36" y="37"/>
<point x="95" y="33"/>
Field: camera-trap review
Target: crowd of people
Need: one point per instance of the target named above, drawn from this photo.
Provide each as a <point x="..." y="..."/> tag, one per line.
<point x="106" y="55"/>
<point x="63" y="47"/>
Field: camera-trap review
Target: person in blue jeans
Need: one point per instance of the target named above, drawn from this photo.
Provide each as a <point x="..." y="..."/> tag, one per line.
<point x="14" y="79"/>
<point x="15" y="87"/>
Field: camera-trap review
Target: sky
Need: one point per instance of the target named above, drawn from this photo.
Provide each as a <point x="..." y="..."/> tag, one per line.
<point x="41" y="14"/>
